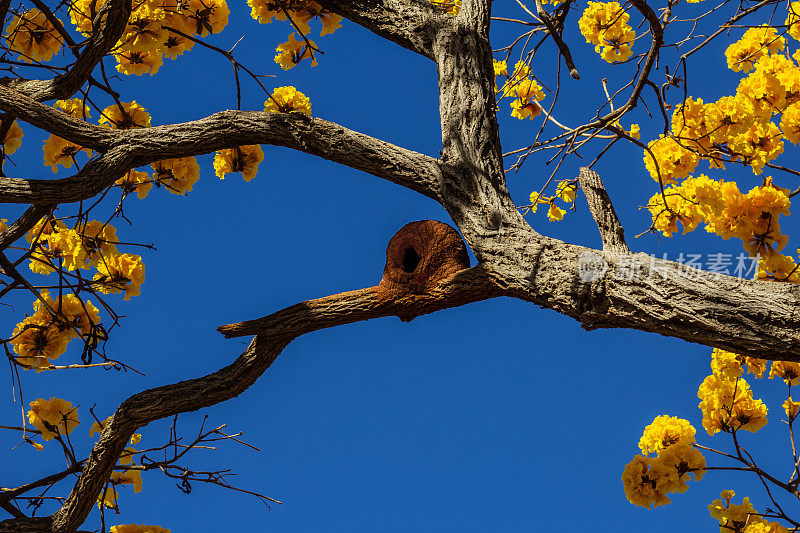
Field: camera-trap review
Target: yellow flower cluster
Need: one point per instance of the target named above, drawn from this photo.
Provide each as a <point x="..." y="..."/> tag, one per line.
<point x="125" y="116"/>
<point x="792" y="19"/>
<point x="287" y="100"/>
<point x="156" y="28"/>
<point x="88" y="245"/>
<point x="131" y="476"/>
<point x="791" y="407"/>
<point x="754" y="44"/>
<point x="13" y="139"/>
<point x="648" y="480"/>
<point x="737" y="128"/>
<point x="605" y="25"/>
<point x="525" y="91"/>
<point x="731" y="365"/>
<point x="565" y="191"/>
<point x="53" y="417"/>
<point x="244" y="159"/>
<point x="728" y="405"/>
<point x="751" y="217"/>
<point x="664" y="432"/>
<point x="58" y="151"/>
<point x="298" y="12"/>
<point x="667" y="159"/>
<point x="178" y="175"/>
<point x="741" y="517"/>
<point x="136" y="528"/>
<point x="135" y="181"/>
<point x="120" y="273"/>
<point x="44" y="336"/>
<point x="290" y="53"/>
<point x="788" y="371"/>
<point x="33" y="36"/>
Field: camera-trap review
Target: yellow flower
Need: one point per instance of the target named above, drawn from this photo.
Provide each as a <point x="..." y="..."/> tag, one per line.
<point x="605" y="24"/>
<point x="120" y="273"/>
<point x="99" y="239"/>
<point x="293" y="51"/>
<point x="733" y="517"/>
<point x="536" y="199"/>
<point x="330" y="21"/>
<point x="74" y="107"/>
<point x="792" y="19"/>
<point x="58" y="151"/>
<point x="759" y="145"/>
<point x="42" y="336"/>
<point x="566" y="190"/>
<point x="766" y="527"/>
<point x="82" y="13"/>
<point x="244" y="159"/>
<point x="791" y="407"/>
<point x="206" y="16"/>
<point x="685" y="459"/>
<point x="37" y="340"/>
<point x="53" y="417"/>
<point x="500" y="68"/>
<point x="128" y="477"/>
<point x="522" y="109"/>
<point x="729" y="405"/>
<point x="664" y="432"/>
<point x="139" y="62"/>
<point x="107" y="498"/>
<point x="33" y="36"/>
<point x="98" y="427"/>
<point x="555" y="213"/>
<point x="177" y="175"/>
<point x="81" y="315"/>
<point x="13" y="138"/>
<point x="144" y="30"/>
<point x="287" y="100"/>
<point x="786" y="370"/>
<point x="731" y="366"/>
<point x="136" y="528"/>
<point x="672" y="159"/>
<point x="135" y="181"/>
<point x="754" y="44"/>
<point x="643" y="480"/>
<point x="126" y="116"/>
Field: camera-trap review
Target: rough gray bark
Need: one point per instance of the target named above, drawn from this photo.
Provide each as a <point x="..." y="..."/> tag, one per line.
<point x="636" y="291"/>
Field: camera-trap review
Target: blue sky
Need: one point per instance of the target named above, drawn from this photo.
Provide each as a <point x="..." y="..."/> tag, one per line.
<point x="498" y="416"/>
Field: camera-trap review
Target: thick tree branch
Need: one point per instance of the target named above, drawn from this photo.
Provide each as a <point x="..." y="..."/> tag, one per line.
<point x="602" y="210"/>
<point x="275" y="332"/>
<point x="95" y="176"/>
<point x="410" y="23"/>
<point x="54" y="121"/>
<point x="227" y="129"/>
<point x="20" y="227"/>
<point x="465" y="287"/>
<point x="113" y="17"/>
<point x="759" y="319"/>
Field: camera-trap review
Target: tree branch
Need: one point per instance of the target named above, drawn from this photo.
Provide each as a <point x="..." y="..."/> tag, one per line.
<point x="114" y="16"/>
<point x="56" y="122"/>
<point x="602" y="210"/>
<point x="226" y="129"/>
<point x="20" y="227"/>
<point x="274" y="333"/>
<point x="410" y="23"/>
